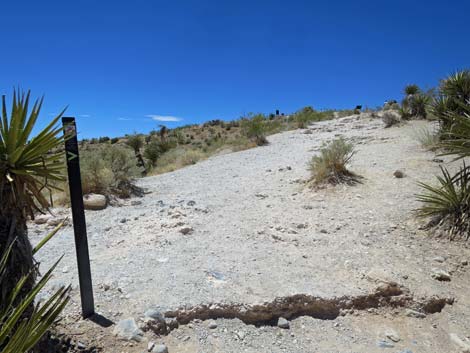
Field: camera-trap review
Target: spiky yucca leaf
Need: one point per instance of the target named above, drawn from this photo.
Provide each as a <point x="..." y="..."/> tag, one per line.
<point x="443" y="199"/>
<point x="448" y="201"/>
<point x="456" y="139"/>
<point x="457" y="86"/>
<point x="27" y="163"/>
<point x="17" y="333"/>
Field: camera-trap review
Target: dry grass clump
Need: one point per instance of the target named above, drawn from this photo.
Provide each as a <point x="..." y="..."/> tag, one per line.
<point x="330" y="166"/>
<point x="177" y="158"/>
<point x="428" y="138"/>
<point x="390" y="118"/>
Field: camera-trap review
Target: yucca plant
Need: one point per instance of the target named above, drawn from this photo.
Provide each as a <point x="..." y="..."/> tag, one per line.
<point x="19" y="333"/>
<point x="27" y="166"/>
<point x="414" y="104"/>
<point x="411" y="89"/>
<point x="448" y="203"/>
<point x="454" y="94"/>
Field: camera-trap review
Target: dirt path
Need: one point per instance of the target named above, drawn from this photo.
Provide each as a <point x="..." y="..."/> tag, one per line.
<point x="255" y="233"/>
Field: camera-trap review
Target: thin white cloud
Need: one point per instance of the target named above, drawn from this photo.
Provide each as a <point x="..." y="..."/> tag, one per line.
<point x="166" y="118"/>
<point x="124" y="119"/>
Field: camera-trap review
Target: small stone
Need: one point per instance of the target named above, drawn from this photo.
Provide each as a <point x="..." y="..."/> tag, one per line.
<point x="150" y="346"/>
<point x="212" y="325"/>
<point x="415" y="314"/>
<point x="127" y="330"/>
<point x="171" y="323"/>
<point x="283" y="323"/>
<point x="81" y="345"/>
<point x="54" y="222"/>
<point x="389" y="289"/>
<point x="186" y="230"/>
<point x="385" y="344"/>
<point x="136" y="202"/>
<point x="160" y="348"/>
<point x="155" y="314"/>
<point x="392" y="335"/>
<point x="123" y="220"/>
<point x="65" y="269"/>
<point x="439" y="259"/>
<point x="191" y="203"/>
<point x="463" y="346"/>
<point x="95" y="202"/>
<point x="440" y="275"/>
<point x="41" y="219"/>
<point x="398" y="174"/>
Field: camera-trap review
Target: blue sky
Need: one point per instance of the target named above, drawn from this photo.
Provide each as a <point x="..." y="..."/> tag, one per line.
<point x="119" y="65"/>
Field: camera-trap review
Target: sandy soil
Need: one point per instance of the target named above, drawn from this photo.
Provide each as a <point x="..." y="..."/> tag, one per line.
<point x="255" y="232"/>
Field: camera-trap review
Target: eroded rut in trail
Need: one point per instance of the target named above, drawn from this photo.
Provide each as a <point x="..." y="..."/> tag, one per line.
<point x="386" y="296"/>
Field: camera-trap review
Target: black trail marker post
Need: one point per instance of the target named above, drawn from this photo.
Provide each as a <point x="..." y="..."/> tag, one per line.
<point x="78" y="216"/>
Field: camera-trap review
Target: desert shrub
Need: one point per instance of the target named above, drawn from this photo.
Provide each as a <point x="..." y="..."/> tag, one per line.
<point x="330" y="166"/>
<point x="391" y="105"/>
<point x="254" y="128"/>
<point x="390" y="118"/>
<point x="103" y="139"/>
<point x="114" y="140"/>
<point x="191" y="157"/>
<point x="95" y="176"/>
<point x="135" y="142"/>
<point x="152" y="152"/>
<point x="108" y="170"/>
<point x="303" y="117"/>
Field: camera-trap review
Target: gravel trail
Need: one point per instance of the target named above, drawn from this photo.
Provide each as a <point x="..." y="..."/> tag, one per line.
<point x="244" y="228"/>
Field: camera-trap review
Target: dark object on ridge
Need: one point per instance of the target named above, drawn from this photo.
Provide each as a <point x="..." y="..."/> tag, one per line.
<point x="277" y="111"/>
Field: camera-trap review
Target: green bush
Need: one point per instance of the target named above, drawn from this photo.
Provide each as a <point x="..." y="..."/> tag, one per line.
<point x="330" y="166"/>
<point x="152" y="152"/>
<point x="108" y="170"/>
<point x="255" y="129"/>
<point x="135" y="142"/>
<point x="103" y="139"/>
<point x="114" y="140"/>
<point x="305" y="116"/>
